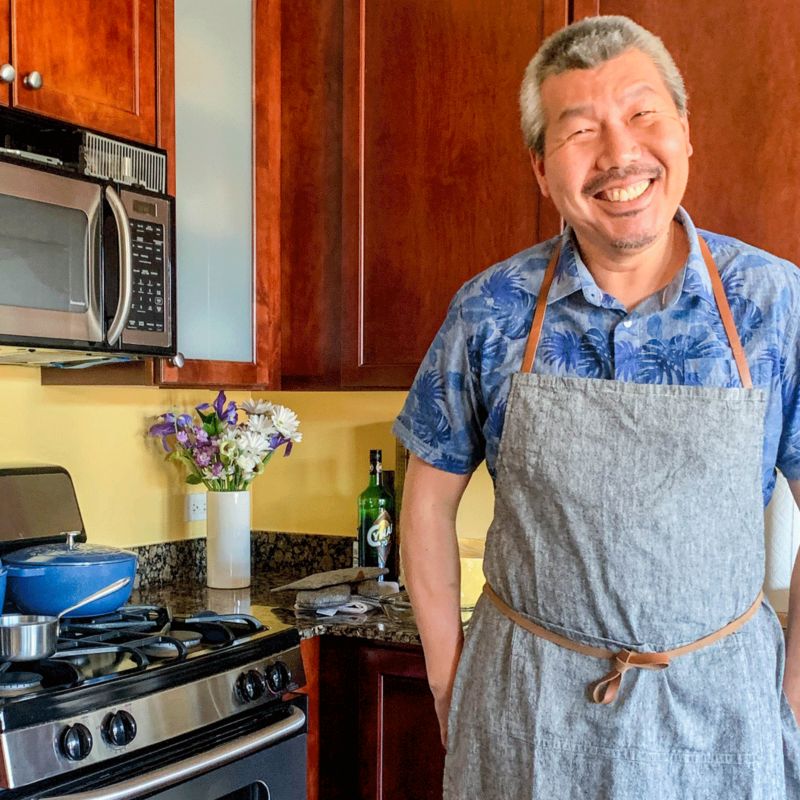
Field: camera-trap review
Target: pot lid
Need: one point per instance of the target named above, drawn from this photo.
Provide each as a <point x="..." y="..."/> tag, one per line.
<point x="80" y="554"/>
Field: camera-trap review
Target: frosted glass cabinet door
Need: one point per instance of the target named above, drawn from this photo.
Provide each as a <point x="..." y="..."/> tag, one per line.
<point x="214" y="178"/>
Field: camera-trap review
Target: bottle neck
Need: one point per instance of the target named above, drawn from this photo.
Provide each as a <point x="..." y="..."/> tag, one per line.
<point x="375" y="474"/>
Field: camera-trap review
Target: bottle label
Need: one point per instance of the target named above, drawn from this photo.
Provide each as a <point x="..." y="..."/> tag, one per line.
<point x="379" y="537"/>
<point x="355" y="553"/>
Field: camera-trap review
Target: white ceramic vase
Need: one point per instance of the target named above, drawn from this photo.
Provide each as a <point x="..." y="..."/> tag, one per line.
<point x="228" y="540"/>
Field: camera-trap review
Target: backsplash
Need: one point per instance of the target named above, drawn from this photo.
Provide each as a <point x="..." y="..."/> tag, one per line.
<point x="292" y="554"/>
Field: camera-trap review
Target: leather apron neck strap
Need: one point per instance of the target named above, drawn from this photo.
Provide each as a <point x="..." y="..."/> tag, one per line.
<point x="719" y="295"/>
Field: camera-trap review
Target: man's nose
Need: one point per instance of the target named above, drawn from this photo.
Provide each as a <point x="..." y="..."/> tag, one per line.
<point x="618" y="148"/>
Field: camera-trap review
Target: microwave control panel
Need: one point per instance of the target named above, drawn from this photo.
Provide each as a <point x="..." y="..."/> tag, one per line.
<point x="147" y="306"/>
<point x="150" y="322"/>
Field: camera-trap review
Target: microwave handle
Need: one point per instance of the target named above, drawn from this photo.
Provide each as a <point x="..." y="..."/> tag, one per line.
<point x="125" y="266"/>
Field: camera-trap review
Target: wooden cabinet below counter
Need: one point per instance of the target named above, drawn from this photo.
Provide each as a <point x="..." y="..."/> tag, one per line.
<point x="378" y="733"/>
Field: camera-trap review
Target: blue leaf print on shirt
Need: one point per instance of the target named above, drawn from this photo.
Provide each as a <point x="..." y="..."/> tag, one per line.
<point x="494" y="424"/>
<point x="484" y="355"/>
<point x="693" y="284"/>
<point x="595" y="358"/>
<point x="747" y="316"/>
<point x="664" y="361"/>
<point x="510" y="302"/>
<point x="626" y="361"/>
<point x="430" y="423"/>
<point x="767" y="366"/>
<point x="563" y="349"/>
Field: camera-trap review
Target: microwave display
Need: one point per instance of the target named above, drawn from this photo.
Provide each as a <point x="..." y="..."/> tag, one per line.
<point x="147" y="305"/>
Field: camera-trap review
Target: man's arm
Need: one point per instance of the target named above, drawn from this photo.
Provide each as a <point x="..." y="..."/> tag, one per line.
<point x="791" y="677"/>
<point x="433" y="573"/>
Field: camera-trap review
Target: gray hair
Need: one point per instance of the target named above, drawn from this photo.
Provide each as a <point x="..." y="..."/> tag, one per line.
<point x="585" y="45"/>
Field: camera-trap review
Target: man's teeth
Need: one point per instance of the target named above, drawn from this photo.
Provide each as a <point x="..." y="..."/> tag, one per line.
<point x="628" y="193"/>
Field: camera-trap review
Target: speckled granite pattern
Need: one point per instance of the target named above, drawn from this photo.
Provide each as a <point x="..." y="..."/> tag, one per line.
<point x="190" y="596"/>
<point x="295" y="554"/>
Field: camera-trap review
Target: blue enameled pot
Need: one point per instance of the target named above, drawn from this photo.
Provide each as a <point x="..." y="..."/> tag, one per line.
<point x="46" y="579"/>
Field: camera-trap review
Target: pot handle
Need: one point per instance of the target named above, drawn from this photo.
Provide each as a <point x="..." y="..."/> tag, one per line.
<point x="98" y="595"/>
<point x="24" y="572"/>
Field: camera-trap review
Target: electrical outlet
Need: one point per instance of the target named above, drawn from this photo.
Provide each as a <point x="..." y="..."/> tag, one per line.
<point x="195" y="508"/>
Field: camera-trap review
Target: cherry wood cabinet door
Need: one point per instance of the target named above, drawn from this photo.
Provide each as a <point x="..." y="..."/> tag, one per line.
<point x="5" y="52"/>
<point x="402" y="754"/>
<point x="436" y="181"/>
<point x="97" y="62"/>
<point x="741" y="67"/>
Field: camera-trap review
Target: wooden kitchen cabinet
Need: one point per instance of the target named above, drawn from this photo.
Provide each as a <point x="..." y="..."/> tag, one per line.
<point x="97" y="61"/>
<point x="418" y="100"/>
<point x="379" y="737"/>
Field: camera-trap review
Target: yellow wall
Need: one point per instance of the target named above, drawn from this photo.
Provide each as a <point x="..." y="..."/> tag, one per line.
<point x="128" y="495"/>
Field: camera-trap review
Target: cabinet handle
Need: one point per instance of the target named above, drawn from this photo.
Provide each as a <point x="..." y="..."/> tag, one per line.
<point x="178" y="360"/>
<point x="33" y="80"/>
<point x="7" y="73"/>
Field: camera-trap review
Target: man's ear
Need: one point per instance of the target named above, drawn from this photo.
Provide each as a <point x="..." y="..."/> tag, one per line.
<point x="685" y="123"/>
<point x="537" y="165"/>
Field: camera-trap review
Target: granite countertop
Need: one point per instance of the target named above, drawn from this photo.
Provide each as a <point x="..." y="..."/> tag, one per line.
<point x="187" y="597"/>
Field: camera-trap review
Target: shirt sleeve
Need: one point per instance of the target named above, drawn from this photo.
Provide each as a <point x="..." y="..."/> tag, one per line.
<point x="788" y="457"/>
<point x="441" y="421"/>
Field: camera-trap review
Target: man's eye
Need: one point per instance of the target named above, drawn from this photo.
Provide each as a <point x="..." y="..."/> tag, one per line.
<point x="579" y="133"/>
<point x="644" y="113"/>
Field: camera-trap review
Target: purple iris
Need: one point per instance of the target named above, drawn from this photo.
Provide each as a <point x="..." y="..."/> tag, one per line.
<point x="277" y="440"/>
<point x="226" y="413"/>
<point x="164" y="429"/>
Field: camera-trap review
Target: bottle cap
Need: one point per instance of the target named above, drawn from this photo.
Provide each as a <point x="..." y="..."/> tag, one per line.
<point x="375" y="455"/>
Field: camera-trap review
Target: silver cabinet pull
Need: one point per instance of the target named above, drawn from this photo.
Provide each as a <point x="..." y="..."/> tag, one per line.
<point x="7" y="73"/>
<point x="178" y="360"/>
<point x="33" y="80"/>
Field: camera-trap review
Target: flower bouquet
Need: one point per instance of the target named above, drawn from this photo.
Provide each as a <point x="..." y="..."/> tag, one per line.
<point x="220" y="451"/>
<point x="225" y="455"/>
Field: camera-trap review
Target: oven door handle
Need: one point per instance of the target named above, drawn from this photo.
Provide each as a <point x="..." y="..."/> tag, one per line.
<point x="143" y="785"/>
<point x="125" y="266"/>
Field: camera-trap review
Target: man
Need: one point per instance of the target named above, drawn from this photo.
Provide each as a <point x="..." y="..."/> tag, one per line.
<point x="632" y="409"/>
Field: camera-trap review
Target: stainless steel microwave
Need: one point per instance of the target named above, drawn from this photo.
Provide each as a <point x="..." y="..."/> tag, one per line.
<point x="87" y="267"/>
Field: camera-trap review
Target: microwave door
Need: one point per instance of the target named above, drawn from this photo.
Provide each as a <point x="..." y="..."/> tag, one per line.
<point x="49" y="250"/>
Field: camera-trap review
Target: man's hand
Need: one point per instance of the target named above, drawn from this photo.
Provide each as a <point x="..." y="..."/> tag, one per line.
<point x="433" y="573"/>
<point x="791" y="675"/>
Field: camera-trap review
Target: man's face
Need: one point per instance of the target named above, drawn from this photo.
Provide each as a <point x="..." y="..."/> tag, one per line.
<point x="617" y="150"/>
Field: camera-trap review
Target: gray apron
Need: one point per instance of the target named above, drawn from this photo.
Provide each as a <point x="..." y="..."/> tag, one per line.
<point x="626" y="516"/>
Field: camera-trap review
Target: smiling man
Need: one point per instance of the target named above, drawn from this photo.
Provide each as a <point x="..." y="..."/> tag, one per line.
<point x="633" y="385"/>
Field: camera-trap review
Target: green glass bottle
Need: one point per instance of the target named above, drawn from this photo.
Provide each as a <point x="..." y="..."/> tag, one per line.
<point x="376" y="521"/>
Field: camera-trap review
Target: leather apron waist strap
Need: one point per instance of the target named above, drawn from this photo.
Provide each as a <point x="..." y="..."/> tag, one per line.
<point x="605" y="690"/>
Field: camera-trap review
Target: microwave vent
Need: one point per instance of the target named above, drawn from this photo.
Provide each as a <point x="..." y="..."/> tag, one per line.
<point x="124" y="163"/>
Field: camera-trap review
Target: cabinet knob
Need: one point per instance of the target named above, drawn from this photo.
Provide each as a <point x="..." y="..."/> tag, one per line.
<point x="178" y="360"/>
<point x="33" y="80"/>
<point x="7" y="73"/>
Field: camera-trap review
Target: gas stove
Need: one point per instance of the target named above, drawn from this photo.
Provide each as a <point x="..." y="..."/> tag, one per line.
<point x="121" y="686"/>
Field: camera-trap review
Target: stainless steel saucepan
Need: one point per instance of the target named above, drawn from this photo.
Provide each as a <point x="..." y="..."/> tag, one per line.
<point x="29" y="637"/>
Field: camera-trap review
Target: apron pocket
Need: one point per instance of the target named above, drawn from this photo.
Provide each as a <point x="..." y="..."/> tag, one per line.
<point x="697" y="710"/>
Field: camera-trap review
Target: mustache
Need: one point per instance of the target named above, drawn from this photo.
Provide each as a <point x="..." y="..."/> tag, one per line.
<point x="600" y="182"/>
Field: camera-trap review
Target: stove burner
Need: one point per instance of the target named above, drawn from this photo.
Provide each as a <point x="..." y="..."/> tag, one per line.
<point x="13" y="683"/>
<point x="165" y="646"/>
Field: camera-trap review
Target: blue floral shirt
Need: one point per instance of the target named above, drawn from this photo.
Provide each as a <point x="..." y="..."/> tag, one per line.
<point x="453" y="416"/>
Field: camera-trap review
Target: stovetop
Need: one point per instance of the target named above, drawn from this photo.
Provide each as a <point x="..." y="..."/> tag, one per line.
<point x="135" y="639"/>
<point x="122" y="682"/>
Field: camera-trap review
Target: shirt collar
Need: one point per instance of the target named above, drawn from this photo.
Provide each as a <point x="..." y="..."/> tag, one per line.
<point x="573" y="275"/>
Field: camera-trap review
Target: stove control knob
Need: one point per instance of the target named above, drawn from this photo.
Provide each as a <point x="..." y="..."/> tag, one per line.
<point x="250" y="686"/>
<point x="119" y="728"/>
<point x="278" y="677"/>
<point x="76" y="742"/>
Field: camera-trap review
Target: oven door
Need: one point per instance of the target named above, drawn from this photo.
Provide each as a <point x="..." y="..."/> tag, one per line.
<point x="259" y="758"/>
<point x="50" y="227"/>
